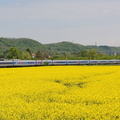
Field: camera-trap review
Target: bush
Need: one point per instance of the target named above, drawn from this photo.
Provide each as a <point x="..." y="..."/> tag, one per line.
<point x="46" y="63"/>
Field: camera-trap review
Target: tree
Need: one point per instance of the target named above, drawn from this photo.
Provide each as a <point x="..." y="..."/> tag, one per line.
<point x="92" y="54"/>
<point x="1" y="55"/>
<point x="83" y="53"/>
<point x="117" y="56"/>
<point x="29" y="51"/>
<point x="25" y="55"/>
<point x="13" y="53"/>
<point x="39" y="55"/>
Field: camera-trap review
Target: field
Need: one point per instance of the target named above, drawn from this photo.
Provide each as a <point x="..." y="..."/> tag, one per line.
<point x="60" y="93"/>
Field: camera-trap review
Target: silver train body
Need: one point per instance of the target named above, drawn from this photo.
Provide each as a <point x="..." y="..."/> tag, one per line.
<point x="10" y="63"/>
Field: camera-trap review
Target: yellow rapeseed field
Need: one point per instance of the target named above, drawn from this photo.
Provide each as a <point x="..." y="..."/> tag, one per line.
<point x="60" y="93"/>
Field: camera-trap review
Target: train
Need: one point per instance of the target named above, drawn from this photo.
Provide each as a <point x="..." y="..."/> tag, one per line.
<point x="18" y="63"/>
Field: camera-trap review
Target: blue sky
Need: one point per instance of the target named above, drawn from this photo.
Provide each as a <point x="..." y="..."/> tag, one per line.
<point x="48" y="21"/>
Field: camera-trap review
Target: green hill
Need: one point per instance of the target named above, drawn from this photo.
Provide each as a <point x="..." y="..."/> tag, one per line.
<point x="21" y="44"/>
<point x="64" y="47"/>
<point x="35" y="46"/>
<point x="73" y="47"/>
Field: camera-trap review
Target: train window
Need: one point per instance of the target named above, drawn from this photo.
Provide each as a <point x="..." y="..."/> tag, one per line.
<point x="103" y="61"/>
<point x="72" y="61"/>
<point x="6" y="62"/>
<point x="84" y="62"/>
<point x="110" y="61"/>
<point x="93" y="61"/>
<point x="59" y="62"/>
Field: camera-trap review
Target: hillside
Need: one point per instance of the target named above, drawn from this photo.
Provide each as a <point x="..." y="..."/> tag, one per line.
<point x="20" y="43"/>
<point x="64" y="47"/>
<point x="73" y="47"/>
<point x="34" y="46"/>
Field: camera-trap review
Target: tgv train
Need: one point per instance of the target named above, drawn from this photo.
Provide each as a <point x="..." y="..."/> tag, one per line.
<point x="10" y="63"/>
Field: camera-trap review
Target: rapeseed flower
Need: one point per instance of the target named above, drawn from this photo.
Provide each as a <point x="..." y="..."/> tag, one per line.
<point x="60" y="93"/>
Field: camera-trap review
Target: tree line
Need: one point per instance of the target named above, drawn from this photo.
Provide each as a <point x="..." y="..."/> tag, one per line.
<point x="14" y="53"/>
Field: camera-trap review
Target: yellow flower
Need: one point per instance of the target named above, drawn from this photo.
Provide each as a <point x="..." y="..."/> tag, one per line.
<point x="60" y="93"/>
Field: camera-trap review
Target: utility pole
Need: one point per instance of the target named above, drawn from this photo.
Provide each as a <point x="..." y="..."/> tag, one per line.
<point x="95" y="43"/>
<point x="89" y="56"/>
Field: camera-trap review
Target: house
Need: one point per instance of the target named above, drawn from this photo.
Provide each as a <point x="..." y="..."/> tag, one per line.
<point x="33" y="55"/>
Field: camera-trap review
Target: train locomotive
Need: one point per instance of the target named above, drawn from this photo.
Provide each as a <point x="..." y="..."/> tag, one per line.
<point x="13" y="63"/>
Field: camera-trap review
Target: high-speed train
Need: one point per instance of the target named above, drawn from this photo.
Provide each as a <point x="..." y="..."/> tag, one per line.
<point x="12" y="63"/>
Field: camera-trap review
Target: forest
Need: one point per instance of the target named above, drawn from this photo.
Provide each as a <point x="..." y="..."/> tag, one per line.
<point x="24" y="48"/>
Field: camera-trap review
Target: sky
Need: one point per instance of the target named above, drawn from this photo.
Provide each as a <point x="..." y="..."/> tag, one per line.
<point x="86" y="22"/>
